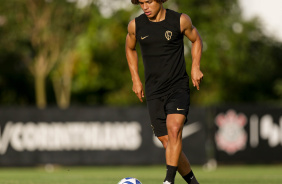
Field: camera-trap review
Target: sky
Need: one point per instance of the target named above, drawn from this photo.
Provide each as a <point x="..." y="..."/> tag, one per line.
<point x="268" y="11"/>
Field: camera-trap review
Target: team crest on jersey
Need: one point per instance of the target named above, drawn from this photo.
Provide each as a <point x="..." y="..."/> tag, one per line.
<point x="231" y="135"/>
<point x="168" y="35"/>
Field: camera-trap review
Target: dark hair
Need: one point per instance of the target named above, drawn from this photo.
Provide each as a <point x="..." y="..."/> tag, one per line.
<point x="137" y="1"/>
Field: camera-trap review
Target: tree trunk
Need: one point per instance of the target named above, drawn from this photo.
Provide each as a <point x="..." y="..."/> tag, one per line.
<point x="40" y="91"/>
<point x="63" y="81"/>
<point x="62" y="92"/>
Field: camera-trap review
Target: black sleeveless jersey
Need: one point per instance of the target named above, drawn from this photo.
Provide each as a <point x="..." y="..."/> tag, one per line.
<point x="162" y="51"/>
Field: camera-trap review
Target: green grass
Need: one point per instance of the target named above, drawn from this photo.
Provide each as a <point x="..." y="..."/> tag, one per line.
<point x="261" y="174"/>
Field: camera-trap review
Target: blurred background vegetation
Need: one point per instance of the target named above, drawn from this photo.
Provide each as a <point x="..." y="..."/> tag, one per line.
<point x="71" y="52"/>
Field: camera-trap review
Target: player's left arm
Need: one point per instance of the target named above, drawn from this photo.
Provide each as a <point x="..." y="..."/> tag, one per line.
<point x="193" y="35"/>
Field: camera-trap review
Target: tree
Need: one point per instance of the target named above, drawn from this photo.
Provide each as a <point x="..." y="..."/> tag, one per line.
<point x="82" y="54"/>
<point x="103" y="77"/>
<point x="48" y="31"/>
<point x="236" y="55"/>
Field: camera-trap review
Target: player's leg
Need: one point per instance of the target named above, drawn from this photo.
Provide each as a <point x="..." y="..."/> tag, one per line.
<point x="174" y="125"/>
<point x="177" y="108"/>
<point x="184" y="167"/>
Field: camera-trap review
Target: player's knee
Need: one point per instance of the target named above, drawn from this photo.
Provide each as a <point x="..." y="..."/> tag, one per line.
<point x="164" y="141"/>
<point x="175" y="125"/>
<point x="174" y="132"/>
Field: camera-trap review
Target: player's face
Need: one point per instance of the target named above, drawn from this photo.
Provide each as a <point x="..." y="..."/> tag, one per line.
<point x="150" y="7"/>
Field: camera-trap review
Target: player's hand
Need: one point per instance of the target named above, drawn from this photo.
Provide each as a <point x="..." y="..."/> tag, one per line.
<point x="137" y="88"/>
<point x="197" y="77"/>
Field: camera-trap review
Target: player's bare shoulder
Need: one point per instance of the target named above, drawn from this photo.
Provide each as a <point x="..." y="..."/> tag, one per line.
<point x="131" y="27"/>
<point x="185" y="23"/>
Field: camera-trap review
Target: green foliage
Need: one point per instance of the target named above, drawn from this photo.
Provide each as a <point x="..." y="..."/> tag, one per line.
<point x="240" y="63"/>
<point x="104" y="75"/>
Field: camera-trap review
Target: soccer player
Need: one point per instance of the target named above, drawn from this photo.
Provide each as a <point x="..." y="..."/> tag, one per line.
<point x="160" y="33"/>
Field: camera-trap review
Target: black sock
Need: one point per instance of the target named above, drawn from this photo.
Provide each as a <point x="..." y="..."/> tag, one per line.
<point x="170" y="173"/>
<point x="190" y="178"/>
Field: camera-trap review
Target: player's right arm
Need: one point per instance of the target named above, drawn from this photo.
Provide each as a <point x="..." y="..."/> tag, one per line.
<point x="132" y="60"/>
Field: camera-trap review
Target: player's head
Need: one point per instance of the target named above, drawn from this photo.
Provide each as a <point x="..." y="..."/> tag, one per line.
<point x="150" y="7"/>
<point x="137" y="1"/>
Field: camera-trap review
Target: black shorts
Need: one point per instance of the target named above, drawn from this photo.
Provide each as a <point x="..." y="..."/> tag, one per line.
<point x="177" y="102"/>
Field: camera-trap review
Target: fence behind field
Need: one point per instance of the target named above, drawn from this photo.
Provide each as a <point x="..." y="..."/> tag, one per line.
<point x="113" y="136"/>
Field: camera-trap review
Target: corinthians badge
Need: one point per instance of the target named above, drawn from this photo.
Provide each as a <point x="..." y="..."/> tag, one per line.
<point x="168" y="35"/>
<point x="231" y="135"/>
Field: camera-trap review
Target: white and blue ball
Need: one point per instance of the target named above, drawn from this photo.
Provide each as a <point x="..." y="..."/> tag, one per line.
<point x="129" y="180"/>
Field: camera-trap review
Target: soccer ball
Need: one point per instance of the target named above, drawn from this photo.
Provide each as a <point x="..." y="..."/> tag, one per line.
<point x="129" y="181"/>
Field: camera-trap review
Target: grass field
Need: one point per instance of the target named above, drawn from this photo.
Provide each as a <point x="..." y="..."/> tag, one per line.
<point x="259" y="174"/>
